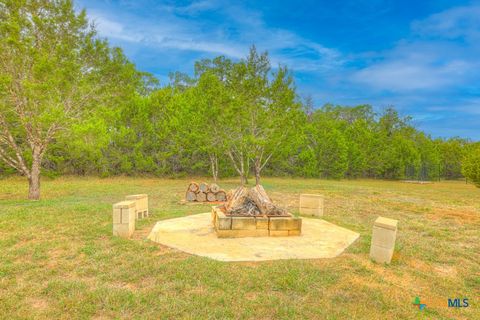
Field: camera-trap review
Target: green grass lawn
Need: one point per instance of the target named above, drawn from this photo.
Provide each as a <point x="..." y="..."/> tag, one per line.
<point x="58" y="258"/>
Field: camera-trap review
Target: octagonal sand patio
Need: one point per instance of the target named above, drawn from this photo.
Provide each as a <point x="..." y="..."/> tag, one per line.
<point x="194" y="234"/>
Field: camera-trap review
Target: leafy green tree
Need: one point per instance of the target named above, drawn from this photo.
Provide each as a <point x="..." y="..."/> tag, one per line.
<point x="261" y="115"/>
<point x="82" y="150"/>
<point x="206" y="123"/>
<point x="429" y="157"/>
<point x="53" y="71"/>
<point x="355" y="123"/>
<point x="276" y="120"/>
<point x="333" y="153"/>
<point x="165" y="116"/>
<point x="327" y="142"/>
<point x="471" y="164"/>
<point x="452" y="152"/>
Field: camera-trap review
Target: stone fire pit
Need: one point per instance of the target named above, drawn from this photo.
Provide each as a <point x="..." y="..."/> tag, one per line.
<point x="251" y="213"/>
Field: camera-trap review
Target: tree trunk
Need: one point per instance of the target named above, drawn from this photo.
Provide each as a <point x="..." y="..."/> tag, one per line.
<point x="257" y="168"/>
<point x="214" y="166"/>
<point x="34" y="180"/>
<point x="243" y="179"/>
<point x="244" y="173"/>
<point x="257" y="178"/>
<point x="247" y="170"/>
<point x="240" y="167"/>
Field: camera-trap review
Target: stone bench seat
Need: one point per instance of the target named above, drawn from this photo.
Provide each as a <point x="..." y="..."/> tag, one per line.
<point x="124" y="218"/>
<point x="141" y="201"/>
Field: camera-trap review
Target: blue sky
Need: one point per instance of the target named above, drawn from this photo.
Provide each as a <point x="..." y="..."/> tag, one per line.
<point x="423" y="57"/>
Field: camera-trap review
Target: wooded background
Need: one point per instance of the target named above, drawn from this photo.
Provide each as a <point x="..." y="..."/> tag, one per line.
<point x="72" y="104"/>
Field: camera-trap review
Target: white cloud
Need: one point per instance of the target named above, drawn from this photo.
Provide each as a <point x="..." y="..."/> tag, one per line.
<point x="197" y="6"/>
<point x="435" y="61"/>
<point x="112" y="29"/>
<point x="470" y="106"/>
<point x="414" y="73"/>
<point x="174" y="31"/>
<point x="458" y="22"/>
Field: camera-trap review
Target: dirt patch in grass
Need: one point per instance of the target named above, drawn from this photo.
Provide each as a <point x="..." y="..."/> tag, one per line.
<point x="38" y="304"/>
<point x="460" y="216"/>
<point x="142" y="234"/>
<point x="446" y="271"/>
<point x="419" y="265"/>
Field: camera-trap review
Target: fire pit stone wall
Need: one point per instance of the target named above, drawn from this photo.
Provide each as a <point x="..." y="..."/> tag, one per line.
<point x="238" y="227"/>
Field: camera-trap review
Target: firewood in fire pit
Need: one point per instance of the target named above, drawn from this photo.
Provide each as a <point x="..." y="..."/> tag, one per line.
<point x="261" y="199"/>
<point x="237" y="199"/>
<point x="252" y="202"/>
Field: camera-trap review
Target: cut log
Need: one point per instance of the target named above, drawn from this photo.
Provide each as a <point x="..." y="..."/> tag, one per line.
<point x="237" y="199"/>
<point x="252" y="202"/>
<point x="203" y="187"/>
<point x="248" y="208"/>
<point x="261" y="191"/>
<point x="221" y="196"/>
<point x="214" y="188"/>
<point x="191" y="196"/>
<point x="261" y="199"/>
<point x="211" y="196"/>
<point x="230" y="194"/>
<point x="193" y="187"/>
<point x="201" y="196"/>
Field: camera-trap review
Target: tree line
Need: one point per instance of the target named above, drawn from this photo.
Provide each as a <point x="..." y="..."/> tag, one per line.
<point x="72" y="104"/>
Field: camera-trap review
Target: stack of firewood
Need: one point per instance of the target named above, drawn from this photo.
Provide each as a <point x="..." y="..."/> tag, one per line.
<point x="204" y="192"/>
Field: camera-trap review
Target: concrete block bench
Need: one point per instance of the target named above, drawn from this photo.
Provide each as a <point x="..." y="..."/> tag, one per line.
<point x="124" y="219"/>
<point x="383" y="239"/>
<point x="141" y="201"/>
<point x="311" y="205"/>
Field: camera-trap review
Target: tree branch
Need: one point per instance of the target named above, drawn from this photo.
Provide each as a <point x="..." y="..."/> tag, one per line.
<point x="10" y="141"/>
<point x="230" y="154"/>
